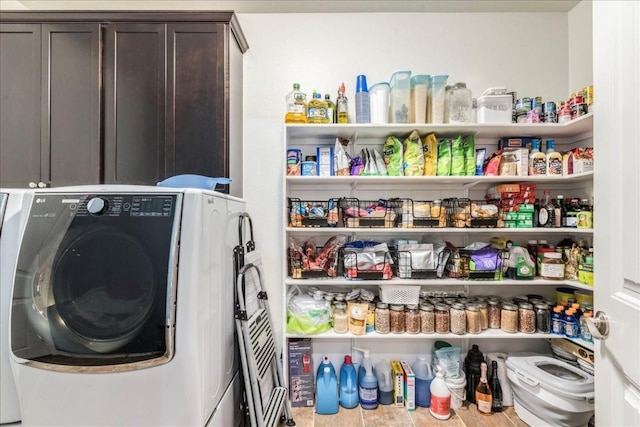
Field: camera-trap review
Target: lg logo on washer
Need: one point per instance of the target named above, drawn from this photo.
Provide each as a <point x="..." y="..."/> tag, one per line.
<point x="40" y="200"/>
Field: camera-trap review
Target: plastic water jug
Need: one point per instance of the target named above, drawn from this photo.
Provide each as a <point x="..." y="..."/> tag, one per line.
<point x="326" y="388"/>
<point x="423" y="374"/>
<point x="440" y="398"/>
<point x="348" y="384"/>
<point x="385" y="382"/>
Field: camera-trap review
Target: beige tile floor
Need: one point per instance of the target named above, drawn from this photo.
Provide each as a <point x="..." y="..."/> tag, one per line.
<point x="389" y="416"/>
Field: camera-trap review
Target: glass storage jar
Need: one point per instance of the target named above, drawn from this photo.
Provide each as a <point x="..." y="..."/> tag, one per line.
<point x="526" y="318"/>
<point x="427" y="318"/>
<point x="457" y="317"/>
<point x="442" y="318"/>
<point x="382" y="318"/>
<point x="484" y="314"/>
<point x="396" y="318"/>
<point x="412" y="319"/>
<point x="473" y="318"/>
<point x="509" y="317"/>
<point x="340" y="321"/>
<point x="493" y="309"/>
<point x="460" y="104"/>
<point x="543" y="318"/>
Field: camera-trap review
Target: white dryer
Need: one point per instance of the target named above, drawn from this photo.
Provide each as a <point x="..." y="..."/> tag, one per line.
<point x="123" y="308"/>
<point x="13" y="203"/>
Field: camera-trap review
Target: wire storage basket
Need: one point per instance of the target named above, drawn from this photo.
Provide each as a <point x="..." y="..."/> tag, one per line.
<point x="420" y="213"/>
<point x="313" y="213"/>
<point x="411" y="264"/>
<point x="467" y="213"/>
<point x="366" y="264"/>
<point x="358" y="213"/>
<point x="485" y="264"/>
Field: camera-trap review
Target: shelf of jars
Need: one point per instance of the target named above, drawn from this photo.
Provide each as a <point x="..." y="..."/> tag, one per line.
<point x="576" y="127"/>
<point x="341" y="281"/>
<point x="487" y="333"/>
<point x="438" y="230"/>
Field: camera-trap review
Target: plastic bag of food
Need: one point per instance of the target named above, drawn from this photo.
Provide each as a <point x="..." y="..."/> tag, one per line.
<point x="378" y="161"/>
<point x="457" y="157"/>
<point x="413" y="155"/>
<point x="342" y="161"/>
<point x="307" y="315"/>
<point x="357" y="313"/>
<point x="393" y="156"/>
<point x="430" y="151"/>
<point x="469" y="147"/>
<point x="443" y="166"/>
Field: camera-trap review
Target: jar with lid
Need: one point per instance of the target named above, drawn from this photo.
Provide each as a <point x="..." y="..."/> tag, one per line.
<point x="340" y="321"/>
<point x="484" y="314"/>
<point x="543" y="318"/>
<point x="552" y="266"/>
<point x="526" y="318"/>
<point x="442" y="318"/>
<point x="473" y="318"/>
<point x="457" y="316"/>
<point x="509" y="317"/>
<point x="396" y="318"/>
<point x="427" y="318"/>
<point x="460" y="104"/>
<point x="412" y="319"/>
<point x="381" y="318"/>
<point x="493" y="311"/>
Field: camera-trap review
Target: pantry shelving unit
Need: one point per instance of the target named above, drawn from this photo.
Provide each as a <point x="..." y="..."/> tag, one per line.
<point x="306" y="137"/>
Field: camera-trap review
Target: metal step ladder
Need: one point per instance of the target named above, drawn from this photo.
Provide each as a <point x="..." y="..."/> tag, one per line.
<point x="266" y="394"/>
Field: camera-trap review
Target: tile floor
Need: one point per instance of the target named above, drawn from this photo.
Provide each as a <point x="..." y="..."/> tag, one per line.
<point x="389" y="416"/>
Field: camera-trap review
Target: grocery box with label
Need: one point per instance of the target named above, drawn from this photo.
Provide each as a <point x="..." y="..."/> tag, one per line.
<point x="301" y="374"/>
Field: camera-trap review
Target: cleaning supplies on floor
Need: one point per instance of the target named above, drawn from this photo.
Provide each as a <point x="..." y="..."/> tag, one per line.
<point x="385" y="382"/>
<point x="422" y="371"/>
<point x="367" y="382"/>
<point x="348" y="384"/>
<point x="440" y="406"/>
<point x="326" y="388"/>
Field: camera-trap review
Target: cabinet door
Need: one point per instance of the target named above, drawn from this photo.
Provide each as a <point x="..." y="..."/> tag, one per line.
<point x="134" y="88"/>
<point x="71" y="104"/>
<point x="197" y="133"/>
<point x="20" y="91"/>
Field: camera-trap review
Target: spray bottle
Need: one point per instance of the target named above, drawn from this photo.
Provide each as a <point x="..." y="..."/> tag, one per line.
<point x="367" y="382"/>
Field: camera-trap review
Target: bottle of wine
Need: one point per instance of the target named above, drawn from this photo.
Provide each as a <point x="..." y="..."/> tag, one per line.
<point x="496" y="390"/>
<point x="483" y="392"/>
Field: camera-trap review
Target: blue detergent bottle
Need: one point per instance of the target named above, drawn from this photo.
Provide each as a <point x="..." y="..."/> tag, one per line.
<point x="326" y="388"/>
<point x="348" y="384"/>
<point x="367" y="382"/>
<point x="422" y="371"/>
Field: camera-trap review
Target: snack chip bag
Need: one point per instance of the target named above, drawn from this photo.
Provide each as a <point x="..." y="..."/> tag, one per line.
<point x="393" y="156"/>
<point x="413" y="155"/>
<point x="430" y="150"/>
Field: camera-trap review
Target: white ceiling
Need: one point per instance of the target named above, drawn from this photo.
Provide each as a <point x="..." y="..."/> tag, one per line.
<point x="311" y="6"/>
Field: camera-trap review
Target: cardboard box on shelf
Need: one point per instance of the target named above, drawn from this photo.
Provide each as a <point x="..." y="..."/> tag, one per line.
<point x="398" y="383"/>
<point x="301" y="373"/>
<point x="409" y="386"/>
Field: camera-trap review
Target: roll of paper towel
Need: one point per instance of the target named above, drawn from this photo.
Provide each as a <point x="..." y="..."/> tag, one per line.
<point x="507" y="394"/>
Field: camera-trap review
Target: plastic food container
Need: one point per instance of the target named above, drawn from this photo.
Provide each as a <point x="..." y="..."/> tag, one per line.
<point x="379" y="102"/>
<point x="419" y="93"/>
<point x="494" y="109"/>
<point x="438" y="85"/>
<point x="400" y="104"/>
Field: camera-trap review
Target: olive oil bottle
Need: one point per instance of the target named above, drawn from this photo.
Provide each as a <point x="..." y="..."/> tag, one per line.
<point x="342" y="115"/>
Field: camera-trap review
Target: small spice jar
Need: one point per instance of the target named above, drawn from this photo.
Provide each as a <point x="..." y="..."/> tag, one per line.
<point x="493" y="310"/>
<point x="340" y="321"/>
<point x="509" y="317"/>
<point x="484" y="314"/>
<point x="412" y="319"/>
<point x="381" y="318"/>
<point x="427" y="318"/>
<point x="473" y="318"/>
<point x="526" y="318"/>
<point x="458" y="321"/>
<point x="543" y="318"/>
<point x="552" y="266"/>
<point x="396" y="318"/>
<point x="442" y="318"/>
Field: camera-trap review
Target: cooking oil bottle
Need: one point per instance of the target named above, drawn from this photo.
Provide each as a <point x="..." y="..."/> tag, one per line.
<point x="317" y="109"/>
<point x="342" y="115"/>
<point x="296" y="106"/>
<point x="331" y="108"/>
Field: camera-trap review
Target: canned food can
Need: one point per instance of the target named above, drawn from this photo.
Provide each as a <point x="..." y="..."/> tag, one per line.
<point x="532" y="117"/>
<point x="536" y="104"/>
<point x="523" y="104"/>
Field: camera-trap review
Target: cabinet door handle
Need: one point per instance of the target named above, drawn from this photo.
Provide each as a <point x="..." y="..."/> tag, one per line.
<point x="599" y="325"/>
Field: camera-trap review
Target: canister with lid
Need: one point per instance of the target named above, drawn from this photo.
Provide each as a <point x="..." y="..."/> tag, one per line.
<point x="509" y="317"/>
<point x="552" y="266"/>
<point x="396" y="318"/>
<point x="340" y="321"/>
<point x="493" y="310"/>
<point x="543" y="318"/>
<point x="427" y="318"/>
<point x="457" y="315"/>
<point x="412" y="319"/>
<point x="382" y="318"/>
<point x="526" y="318"/>
<point x="442" y="318"/>
<point x="473" y="318"/>
<point x="484" y="314"/>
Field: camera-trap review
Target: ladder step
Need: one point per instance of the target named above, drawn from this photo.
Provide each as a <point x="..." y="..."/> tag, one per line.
<point x="274" y="407"/>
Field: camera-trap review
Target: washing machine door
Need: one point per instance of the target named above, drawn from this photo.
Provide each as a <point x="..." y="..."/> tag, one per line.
<point x="94" y="286"/>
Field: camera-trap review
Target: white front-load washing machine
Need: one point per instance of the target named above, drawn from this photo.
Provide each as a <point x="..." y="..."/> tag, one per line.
<point x="13" y="203"/>
<point x="123" y="308"/>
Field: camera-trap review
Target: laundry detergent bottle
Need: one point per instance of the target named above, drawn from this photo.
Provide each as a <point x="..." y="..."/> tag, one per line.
<point x="422" y="371"/>
<point x="326" y="388"/>
<point x="348" y="384"/>
<point x="367" y="382"/>
<point x="385" y="382"/>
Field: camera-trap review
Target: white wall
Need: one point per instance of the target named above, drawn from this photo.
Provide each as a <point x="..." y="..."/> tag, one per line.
<point x="580" y="46"/>
<point x="11" y="5"/>
<point x="524" y="52"/>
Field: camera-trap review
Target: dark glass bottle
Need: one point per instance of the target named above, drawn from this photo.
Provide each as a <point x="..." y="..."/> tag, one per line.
<point x="560" y="212"/>
<point x="547" y="210"/>
<point x="496" y="390"/>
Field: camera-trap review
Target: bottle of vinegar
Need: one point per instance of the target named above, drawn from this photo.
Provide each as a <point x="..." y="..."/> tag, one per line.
<point x="483" y="392"/>
<point x="342" y="115"/>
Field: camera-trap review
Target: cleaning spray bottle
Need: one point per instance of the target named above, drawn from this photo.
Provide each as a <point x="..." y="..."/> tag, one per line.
<point x="367" y="382"/>
<point x="423" y="374"/>
<point x="385" y="382"/>
<point x="326" y="388"/>
<point x="348" y="384"/>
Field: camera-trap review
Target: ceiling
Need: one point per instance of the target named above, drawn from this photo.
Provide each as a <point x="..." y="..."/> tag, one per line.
<point x="311" y="6"/>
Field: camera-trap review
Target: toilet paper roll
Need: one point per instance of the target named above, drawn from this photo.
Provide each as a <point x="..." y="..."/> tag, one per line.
<point x="507" y="393"/>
